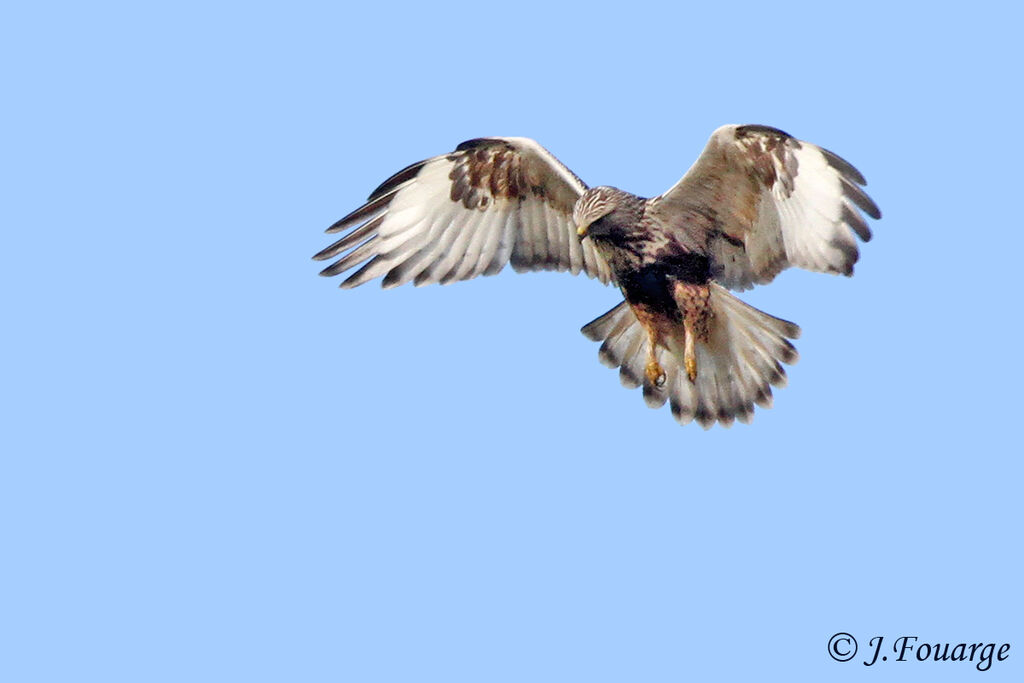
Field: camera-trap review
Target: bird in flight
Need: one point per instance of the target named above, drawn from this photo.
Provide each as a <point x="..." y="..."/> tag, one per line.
<point x="756" y="201"/>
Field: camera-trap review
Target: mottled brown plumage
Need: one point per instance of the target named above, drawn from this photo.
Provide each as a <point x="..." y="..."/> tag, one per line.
<point x="755" y="202"/>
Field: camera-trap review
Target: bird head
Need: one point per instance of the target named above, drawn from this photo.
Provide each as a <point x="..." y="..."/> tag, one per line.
<point x="591" y="207"/>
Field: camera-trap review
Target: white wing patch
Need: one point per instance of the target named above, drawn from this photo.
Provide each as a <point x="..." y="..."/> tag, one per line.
<point x="814" y="232"/>
<point x="763" y="201"/>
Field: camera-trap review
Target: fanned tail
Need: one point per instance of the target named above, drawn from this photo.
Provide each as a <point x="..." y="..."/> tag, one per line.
<point x="736" y="368"/>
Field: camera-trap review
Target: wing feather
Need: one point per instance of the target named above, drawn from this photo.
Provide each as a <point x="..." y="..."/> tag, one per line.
<point x="453" y="217"/>
<point x="503" y="249"/>
<point x="759" y="201"/>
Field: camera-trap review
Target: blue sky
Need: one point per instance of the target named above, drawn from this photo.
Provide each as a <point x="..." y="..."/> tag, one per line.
<point x="218" y="466"/>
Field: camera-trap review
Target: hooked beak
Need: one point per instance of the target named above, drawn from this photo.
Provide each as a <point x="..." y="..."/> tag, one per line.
<point x="582" y="230"/>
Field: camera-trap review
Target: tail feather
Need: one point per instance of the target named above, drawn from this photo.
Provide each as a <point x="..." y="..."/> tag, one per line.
<point x="614" y="347"/>
<point x="598" y="330"/>
<point x="736" y="368"/>
<point x="631" y="370"/>
<point x="683" y="399"/>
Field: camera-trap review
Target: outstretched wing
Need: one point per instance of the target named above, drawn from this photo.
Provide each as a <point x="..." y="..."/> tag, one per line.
<point x="760" y="201"/>
<point x="468" y="213"/>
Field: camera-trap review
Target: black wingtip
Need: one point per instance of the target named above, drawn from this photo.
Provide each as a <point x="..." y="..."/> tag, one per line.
<point x="855" y="194"/>
<point x="856" y="222"/>
<point x="843" y="166"/>
<point x="407" y="173"/>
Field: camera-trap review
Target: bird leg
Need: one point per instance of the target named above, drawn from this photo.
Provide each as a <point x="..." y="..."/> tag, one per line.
<point x="654" y="371"/>
<point x="654" y="324"/>
<point x="694" y="303"/>
<point x="689" y="351"/>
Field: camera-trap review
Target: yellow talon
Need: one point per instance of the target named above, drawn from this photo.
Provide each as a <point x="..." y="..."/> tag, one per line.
<point x="655" y="374"/>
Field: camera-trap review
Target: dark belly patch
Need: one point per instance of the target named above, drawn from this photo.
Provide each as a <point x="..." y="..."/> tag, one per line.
<point x="652" y="286"/>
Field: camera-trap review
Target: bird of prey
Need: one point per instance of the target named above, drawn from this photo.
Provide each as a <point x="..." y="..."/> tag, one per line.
<point x="756" y="201"/>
